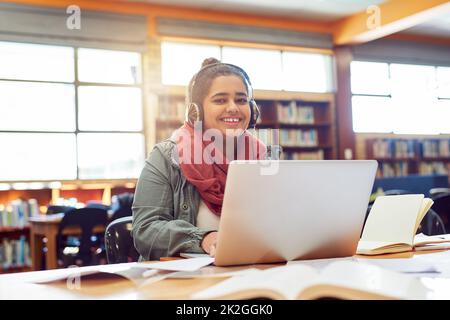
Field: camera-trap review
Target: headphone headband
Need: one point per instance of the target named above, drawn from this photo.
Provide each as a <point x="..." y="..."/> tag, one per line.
<point x="242" y="71"/>
<point x="194" y="111"/>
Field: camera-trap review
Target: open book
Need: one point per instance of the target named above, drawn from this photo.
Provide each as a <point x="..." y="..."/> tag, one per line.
<point x="341" y="280"/>
<point x="392" y="226"/>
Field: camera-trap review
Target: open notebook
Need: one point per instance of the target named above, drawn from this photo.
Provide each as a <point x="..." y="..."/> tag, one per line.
<point x="341" y="280"/>
<point x="392" y="226"/>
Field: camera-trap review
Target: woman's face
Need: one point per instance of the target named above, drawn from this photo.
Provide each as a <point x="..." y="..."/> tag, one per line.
<point x="226" y="105"/>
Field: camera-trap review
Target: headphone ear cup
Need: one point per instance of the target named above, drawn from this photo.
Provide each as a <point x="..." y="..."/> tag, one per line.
<point x="193" y="113"/>
<point x="254" y="114"/>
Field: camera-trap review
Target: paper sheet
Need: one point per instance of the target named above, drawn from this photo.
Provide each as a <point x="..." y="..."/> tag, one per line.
<point x="407" y="265"/>
<point x="319" y="264"/>
<point x="191" y="264"/>
<point x="410" y="265"/>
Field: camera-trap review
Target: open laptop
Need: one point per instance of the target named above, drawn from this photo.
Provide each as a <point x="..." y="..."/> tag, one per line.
<point x="276" y="211"/>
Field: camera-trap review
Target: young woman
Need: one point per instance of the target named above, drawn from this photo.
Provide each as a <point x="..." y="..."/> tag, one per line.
<point x="179" y="195"/>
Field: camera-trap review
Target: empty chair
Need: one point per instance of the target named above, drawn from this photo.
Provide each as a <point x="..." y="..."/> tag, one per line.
<point x="435" y="192"/>
<point x="121" y="205"/>
<point x="119" y="241"/>
<point x="441" y="206"/>
<point x="52" y="209"/>
<point x="97" y="205"/>
<point x="80" y="238"/>
<point x="396" y="192"/>
<point x="432" y="224"/>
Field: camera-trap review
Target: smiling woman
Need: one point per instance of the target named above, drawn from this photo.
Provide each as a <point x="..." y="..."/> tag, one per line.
<point x="179" y="194"/>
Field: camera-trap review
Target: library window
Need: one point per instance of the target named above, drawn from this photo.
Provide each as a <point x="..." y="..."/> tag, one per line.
<point x="262" y="66"/>
<point x="384" y="95"/>
<point x="267" y="69"/>
<point x="307" y="72"/>
<point x="69" y="113"/>
<point x="179" y="61"/>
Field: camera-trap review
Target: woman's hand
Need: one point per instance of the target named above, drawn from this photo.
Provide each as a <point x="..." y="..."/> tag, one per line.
<point x="209" y="243"/>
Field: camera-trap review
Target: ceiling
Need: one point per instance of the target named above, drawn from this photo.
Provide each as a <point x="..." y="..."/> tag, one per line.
<point x="438" y="27"/>
<point x="313" y="10"/>
<point x="316" y="10"/>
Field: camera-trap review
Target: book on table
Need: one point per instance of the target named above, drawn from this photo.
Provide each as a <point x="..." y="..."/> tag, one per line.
<point x="392" y="225"/>
<point x="340" y="280"/>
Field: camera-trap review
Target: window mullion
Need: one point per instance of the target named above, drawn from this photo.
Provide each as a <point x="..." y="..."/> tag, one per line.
<point x="77" y="83"/>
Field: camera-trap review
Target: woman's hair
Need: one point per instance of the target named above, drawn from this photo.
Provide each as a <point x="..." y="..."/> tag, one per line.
<point x="201" y="82"/>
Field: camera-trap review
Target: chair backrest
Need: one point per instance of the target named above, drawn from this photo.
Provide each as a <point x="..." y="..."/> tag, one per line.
<point x="396" y="192"/>
<point x="432" y="224"/>
<point x="436" y="192"/>
<point x="97" y="205"/>
<point x="122" y="205"/>
<point x="51" y="209"/>
<point x="119" y="241"/>
<point x="442" y="207"/>
<point x="86" y="219"/>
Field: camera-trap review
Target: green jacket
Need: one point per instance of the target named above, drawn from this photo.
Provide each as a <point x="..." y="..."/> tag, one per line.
<point x="165" y="207"/>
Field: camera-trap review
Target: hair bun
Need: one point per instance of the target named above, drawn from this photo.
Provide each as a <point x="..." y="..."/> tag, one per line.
<point x="209" y="61"/>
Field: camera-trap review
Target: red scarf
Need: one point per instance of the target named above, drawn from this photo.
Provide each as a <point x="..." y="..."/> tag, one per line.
<point x="207" y="170"/>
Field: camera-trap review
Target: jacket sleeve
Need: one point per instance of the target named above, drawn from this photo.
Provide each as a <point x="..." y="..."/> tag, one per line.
<point x="155" y="231"/>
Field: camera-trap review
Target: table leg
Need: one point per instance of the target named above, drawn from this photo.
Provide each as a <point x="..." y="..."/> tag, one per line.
<point x="36" y="250"/>
<point x="51" y="256"/>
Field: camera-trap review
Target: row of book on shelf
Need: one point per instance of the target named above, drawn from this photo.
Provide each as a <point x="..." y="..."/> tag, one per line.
<point x="286" y="113"/>
<point x="393" y="169"/>
<point x="396" y="148"/>
<point x="294" y="113"/>
<point x="289" y="137"/>
<point x="401" y="168"/>
<point x="436" y="167"/>
<point x="174" y="111"/>
<point x="17" y="212"/>
<point x="390" y="148"/>
<point x="436" y="148"/>
<point x="14" y="253"/>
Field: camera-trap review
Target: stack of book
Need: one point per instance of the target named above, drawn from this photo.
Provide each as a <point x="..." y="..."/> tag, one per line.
<point x="298" y="138"/>
<point x="390" y="148"/>
<point x="293" y="113"/>
<point x="436" y="148"/>
<point x="436" y="167"/>
<point x="393" y="170"/>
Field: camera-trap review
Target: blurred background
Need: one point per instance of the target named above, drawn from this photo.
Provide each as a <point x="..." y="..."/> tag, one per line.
<point x="88" y="87"/>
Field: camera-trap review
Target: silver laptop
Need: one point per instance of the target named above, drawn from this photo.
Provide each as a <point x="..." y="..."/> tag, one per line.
<point x="276" y="211"/>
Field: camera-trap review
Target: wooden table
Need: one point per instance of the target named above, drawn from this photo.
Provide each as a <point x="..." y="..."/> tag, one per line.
<point x="20" y="286"/>
<point x="46" y="226"/>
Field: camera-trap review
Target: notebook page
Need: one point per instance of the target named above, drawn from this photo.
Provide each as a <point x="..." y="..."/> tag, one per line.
<point x="426" y="205"/>
<point x="392" y="219"/>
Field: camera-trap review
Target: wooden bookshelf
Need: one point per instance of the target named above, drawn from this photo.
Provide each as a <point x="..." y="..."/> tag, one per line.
<point x="15" y="269"/>
<point x="169" y="115"/>
<point x="417" y="155"/>
<point x="12" y="231"/>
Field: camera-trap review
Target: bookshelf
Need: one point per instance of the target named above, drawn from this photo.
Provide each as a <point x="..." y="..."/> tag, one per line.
<point x="402" y="157"/>
<point x="302" y="123"/>
<point x="15" y="253"/>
